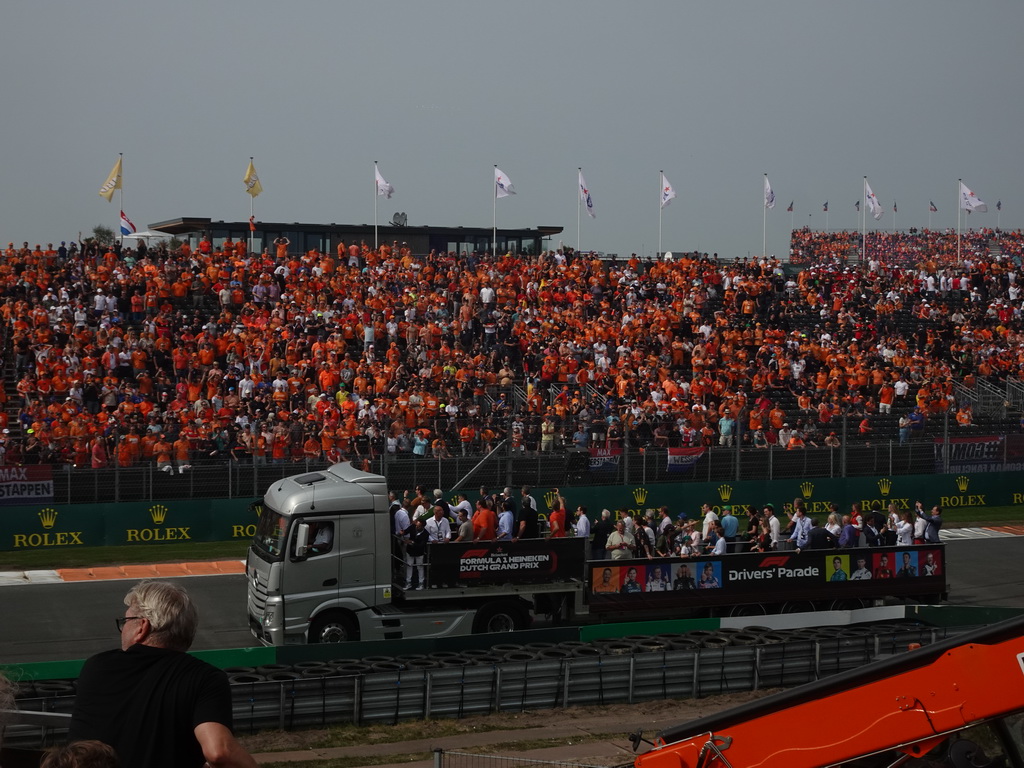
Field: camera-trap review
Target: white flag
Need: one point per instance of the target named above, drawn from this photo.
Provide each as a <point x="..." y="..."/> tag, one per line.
<point x="769" y="195"/>
<point x="872" y="202"/>
<point x="585" y="197"/>
<point x="502" y="184"/>
<point x="667" y="193"/>
<point x="384" y="189"/>
<point x="969" y="201"/>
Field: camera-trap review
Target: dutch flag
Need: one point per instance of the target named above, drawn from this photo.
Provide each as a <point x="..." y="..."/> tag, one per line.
<point x="127" y="228"/>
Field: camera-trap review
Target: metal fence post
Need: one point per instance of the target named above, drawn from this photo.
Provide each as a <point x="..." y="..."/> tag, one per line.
<point x="438" y="758"/>
<point x="945" y="442"/>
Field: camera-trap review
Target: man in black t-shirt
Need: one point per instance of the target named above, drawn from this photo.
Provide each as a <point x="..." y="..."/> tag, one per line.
<point x="526" y="525"/>
<point x="156" y="705"/>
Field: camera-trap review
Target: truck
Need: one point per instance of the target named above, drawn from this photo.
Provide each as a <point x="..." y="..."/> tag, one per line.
<point x="325" y="566"/>
<point x="959" y="702"/>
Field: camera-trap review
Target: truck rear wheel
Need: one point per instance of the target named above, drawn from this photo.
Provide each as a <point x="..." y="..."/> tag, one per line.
<point x="499" y="617"/>
<point x="333" y="627"/>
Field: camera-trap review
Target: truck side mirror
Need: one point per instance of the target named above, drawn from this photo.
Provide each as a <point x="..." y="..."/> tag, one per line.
<point x="302" y="540"/>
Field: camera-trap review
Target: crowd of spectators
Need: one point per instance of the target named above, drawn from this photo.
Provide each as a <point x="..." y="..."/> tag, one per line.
<point x="177" y="355"/>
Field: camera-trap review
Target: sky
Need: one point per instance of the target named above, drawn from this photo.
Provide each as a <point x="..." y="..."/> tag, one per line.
<point x="913" y="94"/>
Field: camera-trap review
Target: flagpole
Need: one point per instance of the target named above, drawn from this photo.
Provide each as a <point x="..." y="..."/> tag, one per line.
<point x="894" y="217"/>
<point x="929" y="215"/>
<point x="120" y="196"/>
<point x="376" y="192"/>
<point x="864" y="223"/>
<point x="579" y="204"/>
<point x="826" y="217"/>
<point x="790" y="217"/>
<point x="958" y="207"/>
<point x="494" y="216"/>
<point x="661" y="208"/>
<point x="764" y="223"/>
<point x="251" y="198"/>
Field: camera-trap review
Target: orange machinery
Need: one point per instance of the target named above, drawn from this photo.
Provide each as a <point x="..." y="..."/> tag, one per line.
<point x="959" y="702"/>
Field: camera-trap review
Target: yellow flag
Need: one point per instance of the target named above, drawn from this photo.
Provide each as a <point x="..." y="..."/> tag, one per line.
<point x="113" y="182"/>
<point x="252" y="181"/>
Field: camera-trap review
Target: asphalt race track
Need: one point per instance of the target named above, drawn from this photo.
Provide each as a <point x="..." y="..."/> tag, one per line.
<point x="53" y="622"/>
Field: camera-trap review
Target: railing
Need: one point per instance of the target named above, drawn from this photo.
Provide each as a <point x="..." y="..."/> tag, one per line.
<point x="937" y="449"/>
<point x="511" y="677"/>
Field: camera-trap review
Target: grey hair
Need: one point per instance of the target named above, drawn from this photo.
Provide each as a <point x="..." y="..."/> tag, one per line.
<point x="438" y="493"/>
<point x="605" y="514"/>
<point x="171" y="612"/>
<point x="6" y="702"/>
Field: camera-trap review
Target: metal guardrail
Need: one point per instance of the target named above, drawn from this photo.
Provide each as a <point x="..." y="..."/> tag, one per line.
<point x="516" y="678"/>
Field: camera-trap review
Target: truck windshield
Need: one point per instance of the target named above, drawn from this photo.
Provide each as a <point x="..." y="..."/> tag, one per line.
<point x="271" y="533"/>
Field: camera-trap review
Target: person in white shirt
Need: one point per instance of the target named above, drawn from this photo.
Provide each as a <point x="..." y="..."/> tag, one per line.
<point x="506" y="519"/>
<point x="582" y="523"/>
<point x="438" y="528"/>
<point x="710" y="520"/>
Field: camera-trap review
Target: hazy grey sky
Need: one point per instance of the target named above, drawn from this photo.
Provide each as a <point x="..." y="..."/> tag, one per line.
<point x="914" y="94"/>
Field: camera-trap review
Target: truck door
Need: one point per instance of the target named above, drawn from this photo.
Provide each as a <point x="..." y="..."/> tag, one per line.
<point x="312" y="575"/>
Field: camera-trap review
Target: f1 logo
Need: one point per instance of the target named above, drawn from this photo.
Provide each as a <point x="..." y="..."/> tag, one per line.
<point x="769" y="562"/>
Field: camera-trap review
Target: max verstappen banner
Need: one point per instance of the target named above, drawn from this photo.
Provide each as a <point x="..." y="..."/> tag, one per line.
<point x="734" y="579"/>
<point x="492" y="562"/>
<point x="26" y="485"/>
<point x="986" y="453"/>
<point x="605" y="459"/>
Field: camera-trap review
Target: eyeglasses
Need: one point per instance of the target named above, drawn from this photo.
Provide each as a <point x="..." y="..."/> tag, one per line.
<point x="124" y="620"/>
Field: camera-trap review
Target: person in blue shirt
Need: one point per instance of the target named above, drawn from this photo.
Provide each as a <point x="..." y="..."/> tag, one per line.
<point x="730" y="524"/>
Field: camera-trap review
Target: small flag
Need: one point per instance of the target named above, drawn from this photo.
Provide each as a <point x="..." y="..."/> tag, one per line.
<point x="252" y="181"/>
<point x="769" y="195"/>
<point x="585" y="196"/>
<point x="113" y="182"/>
<point x="932" y="208"/>
<point x="872" y="202"/>
<point x="969" y="201"/>
<point x="999" y="205"/>
<point x="384" y="189"/>
<point x="824" y="208"/>
<point x="502" y="184"/>
<point x="857" y="206"/>
<point x="252" y="223"/>
<point x="127" y="228"/>
<point x="790" y="208"/>
<point x="894" y="207"/>
<point x="667" y="193"/>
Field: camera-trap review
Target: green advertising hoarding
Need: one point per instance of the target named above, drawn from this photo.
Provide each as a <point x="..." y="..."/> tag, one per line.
<point x="42" y="526"/>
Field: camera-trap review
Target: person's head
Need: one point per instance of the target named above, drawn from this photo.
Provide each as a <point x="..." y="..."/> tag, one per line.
<point x="837" y="563"/>
<point x="463" y="517"/>
<point x="861" y="563"/>
<point x="606" y="575"/>
<point x="883" y="560"/>
<point x="6" y="702"/>
<point x="683" y="572"/>
<point x="620" y="526"/>
<point x="709" y="570"/>
<point x="769" y="510"/>
<point x="161" y="614"/>
<point x="581" y="511"/>
<point x="906" y="559"/>
<point x="81" y="754"/>
<point x="631" y="574"/>
<point x="605" y="514"/>
<point x="438" y="511"/>
<point x="656" y="573"/>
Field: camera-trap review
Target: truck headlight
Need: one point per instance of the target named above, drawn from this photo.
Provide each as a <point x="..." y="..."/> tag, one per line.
<point x="268" y="617"/>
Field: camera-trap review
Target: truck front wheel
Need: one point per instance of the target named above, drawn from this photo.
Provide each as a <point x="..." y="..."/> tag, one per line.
<point x="499" y="617"/>
<point x="333" y="627"/>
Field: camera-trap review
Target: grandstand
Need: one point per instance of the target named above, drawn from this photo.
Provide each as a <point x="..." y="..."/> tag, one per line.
<point x="203" y="354"/>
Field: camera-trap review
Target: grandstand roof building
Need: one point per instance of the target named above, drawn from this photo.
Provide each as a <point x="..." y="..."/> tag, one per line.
<point x="325" y="237"/>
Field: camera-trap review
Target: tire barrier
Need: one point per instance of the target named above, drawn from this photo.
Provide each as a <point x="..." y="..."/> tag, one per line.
<point x="511" y="677"/>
